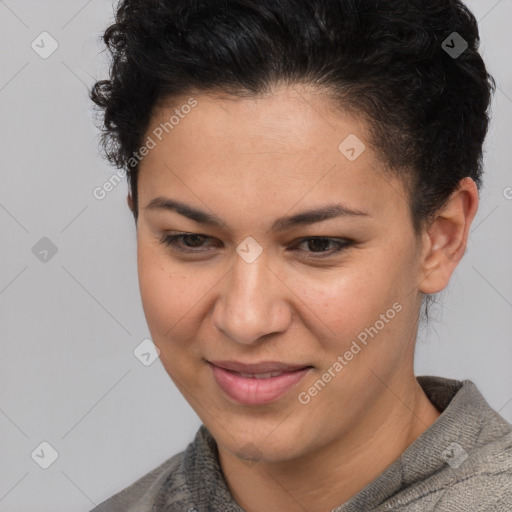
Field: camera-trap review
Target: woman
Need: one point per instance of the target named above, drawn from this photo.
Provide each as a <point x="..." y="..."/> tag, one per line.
<point x="303" y="177"/>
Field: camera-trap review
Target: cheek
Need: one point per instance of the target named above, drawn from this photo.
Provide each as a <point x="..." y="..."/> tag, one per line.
<point x="350" y="299"/>
<point x="361" y="314"/>
<point x="164" y="303"/>
<point x="175" y="303"/>
<point x="163" y="293"/>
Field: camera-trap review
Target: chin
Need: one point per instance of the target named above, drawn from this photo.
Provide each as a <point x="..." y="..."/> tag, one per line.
<point x="265" y="443"/>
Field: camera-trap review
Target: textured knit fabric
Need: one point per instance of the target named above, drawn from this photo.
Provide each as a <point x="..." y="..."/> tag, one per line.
<point x="461" y="463"/>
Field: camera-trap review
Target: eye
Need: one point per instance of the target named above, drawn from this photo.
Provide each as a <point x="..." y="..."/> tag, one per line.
<point x="319" y="244"/>
<point x="185" y="242"/>
<point x="194" y="243"/>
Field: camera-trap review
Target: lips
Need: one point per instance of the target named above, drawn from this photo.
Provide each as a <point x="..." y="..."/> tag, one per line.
<point x="257" y="383"/>
<point x="257" y="368"/>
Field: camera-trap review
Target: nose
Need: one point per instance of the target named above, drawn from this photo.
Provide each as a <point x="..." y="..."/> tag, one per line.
<point x="252" y="303"/>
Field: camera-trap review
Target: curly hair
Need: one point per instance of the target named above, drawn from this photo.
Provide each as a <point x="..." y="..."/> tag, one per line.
<point x="387" y="61"/>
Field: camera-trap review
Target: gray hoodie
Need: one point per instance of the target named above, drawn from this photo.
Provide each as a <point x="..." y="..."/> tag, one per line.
<point x="461" y="463"/>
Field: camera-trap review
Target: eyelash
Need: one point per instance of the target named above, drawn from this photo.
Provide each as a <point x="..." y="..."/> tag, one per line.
<point x="344" y="243"/>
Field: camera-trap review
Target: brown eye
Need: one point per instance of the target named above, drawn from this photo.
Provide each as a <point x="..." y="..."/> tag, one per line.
<point x="319" y="246"/>
<point x="185" y="242"/>
<point x="316" y="247"/>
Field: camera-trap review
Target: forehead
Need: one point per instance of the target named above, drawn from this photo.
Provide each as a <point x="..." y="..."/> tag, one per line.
<point x="290" y="119"/>
<point x="289" y="146"/>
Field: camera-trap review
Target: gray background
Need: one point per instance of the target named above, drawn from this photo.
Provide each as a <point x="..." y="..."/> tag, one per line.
<point x="69" y="325"/>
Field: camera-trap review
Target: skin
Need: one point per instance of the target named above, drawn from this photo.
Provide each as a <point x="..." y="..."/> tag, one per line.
<point x="249" y="162"/>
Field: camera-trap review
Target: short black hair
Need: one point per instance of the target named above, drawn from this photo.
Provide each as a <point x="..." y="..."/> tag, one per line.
<point x="397" y="63"/>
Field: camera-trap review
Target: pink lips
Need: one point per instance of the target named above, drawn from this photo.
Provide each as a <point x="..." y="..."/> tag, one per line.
<point x="238" y="380"/>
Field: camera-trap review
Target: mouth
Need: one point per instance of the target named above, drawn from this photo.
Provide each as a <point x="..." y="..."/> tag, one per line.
<point x="259" y="383"/>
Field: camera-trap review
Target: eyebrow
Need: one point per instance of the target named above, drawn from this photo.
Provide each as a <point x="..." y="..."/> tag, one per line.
<point x="282" y="224"/>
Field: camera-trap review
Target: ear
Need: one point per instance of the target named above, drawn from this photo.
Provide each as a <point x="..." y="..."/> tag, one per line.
<point x="444" y="241"/>
<point x="129" y="200"/>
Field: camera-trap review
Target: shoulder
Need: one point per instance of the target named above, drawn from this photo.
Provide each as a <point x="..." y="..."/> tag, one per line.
<point x="483" y="480"/>
<point x="464" y="460"/>
<point x="141" y="495"/>
<point x="189" y="481"/>
<point x="479" y="475"/>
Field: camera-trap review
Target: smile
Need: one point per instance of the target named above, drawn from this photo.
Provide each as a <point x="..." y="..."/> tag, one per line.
<point x="257" y="388"/>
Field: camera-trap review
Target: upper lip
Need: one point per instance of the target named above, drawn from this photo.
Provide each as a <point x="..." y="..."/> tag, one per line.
<point x="263" y="367"/>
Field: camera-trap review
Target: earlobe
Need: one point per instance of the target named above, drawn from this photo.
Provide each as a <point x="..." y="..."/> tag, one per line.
<point x="445" y="240"/>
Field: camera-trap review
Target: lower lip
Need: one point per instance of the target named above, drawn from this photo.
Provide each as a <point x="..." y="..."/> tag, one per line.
<point x="250" y="391"/>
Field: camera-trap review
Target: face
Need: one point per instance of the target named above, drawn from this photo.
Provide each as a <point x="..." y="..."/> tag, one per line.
<point x="323" y="308"/>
